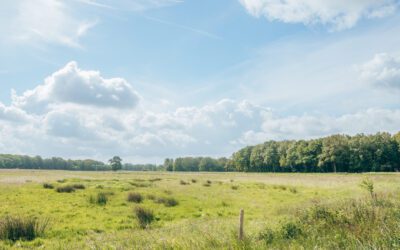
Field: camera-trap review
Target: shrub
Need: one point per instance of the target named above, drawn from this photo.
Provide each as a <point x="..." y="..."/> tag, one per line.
<point x="293" y="190"/>
<point x="182" y="182"/>
<point x="207" y="184"/>
<point x="20" y="228"/>
<point x="48" y="186"/>
<point x="194" y="181"/>
<point x="100" y="199"/>
<point x="144" y="216"/>
<point x="368" y="185"/>
<point x="168" y="202"/>
<point x="65" y="189"/>
<point x="78" y="186"/>
<point x="235" y="187"/>
<point x="135" y="197"/>
<point x="61" y="181"/>
<point x="290" y="230"/>
<point x="155" y="179"/>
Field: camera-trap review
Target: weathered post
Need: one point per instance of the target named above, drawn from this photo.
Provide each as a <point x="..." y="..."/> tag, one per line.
<point x="241" y="218"/>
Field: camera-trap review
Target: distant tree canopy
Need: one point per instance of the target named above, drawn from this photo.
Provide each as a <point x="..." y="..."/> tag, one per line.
<point x="8" y="161"/>
<point x="37" y="162"/>
<point x="336" y="153"/>
<point x="195" y="164"/>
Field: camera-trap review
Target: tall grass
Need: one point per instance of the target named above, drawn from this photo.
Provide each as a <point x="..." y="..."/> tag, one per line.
<point x="22" y="228"/>
<point x="355" y="224"/>
<point x="144" y="216"/>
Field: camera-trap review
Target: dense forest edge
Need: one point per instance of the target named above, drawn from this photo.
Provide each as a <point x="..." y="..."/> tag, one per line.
<point x="336" y="153"/>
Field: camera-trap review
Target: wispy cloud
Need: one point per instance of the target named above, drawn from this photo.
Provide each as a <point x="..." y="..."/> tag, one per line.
<point x="44" y="21"/>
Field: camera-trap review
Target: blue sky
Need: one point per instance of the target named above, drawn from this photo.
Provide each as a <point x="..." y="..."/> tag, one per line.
<point x="148" y="79"/>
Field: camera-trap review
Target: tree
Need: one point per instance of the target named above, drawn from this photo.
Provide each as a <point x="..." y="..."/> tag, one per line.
<point x="115" y="163"/>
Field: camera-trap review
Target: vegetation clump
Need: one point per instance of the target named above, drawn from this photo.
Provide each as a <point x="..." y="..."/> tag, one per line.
<point x="78" y="186"/>
<point x="48" y="186"/>
<point x="355" y="224"/>
<point x="182" y="182"/>
<point x="15" y="228"/>
<point x="144" y="216"/>
<point x="135" y="197"/>
<point x="168" y="202"/>
<point x="65" y="189"/>
<point x="100" y="199"/>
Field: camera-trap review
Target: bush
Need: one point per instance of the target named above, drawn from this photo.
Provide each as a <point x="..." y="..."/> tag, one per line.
<point x="100" y="199"/>
<point x="20" y="228"/>
<point x="144" y="216"/>
<point x="290" y="230"/>
<point x="48" y="186"/>
<point x="61" y="181"/>
<point x="235" y="187"/>
<point x="207" y="184"/>
<point x="194" y="181"/>
<point x="78" y="186"/>
<point x="168" y="202"/>
<point x="293" y="190"/>
<point x="65" y="189"/>
<point x="135" y="197"/>
<point x="182" y="182"/>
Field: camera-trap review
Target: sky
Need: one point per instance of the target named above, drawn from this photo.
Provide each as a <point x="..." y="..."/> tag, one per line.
<point x="150" y="79"/>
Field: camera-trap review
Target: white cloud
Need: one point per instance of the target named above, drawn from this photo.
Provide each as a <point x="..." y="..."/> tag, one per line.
<point x="383" y="70"/>
<point x="338" y="14"/>
<point x="12" y="114"/>
<point x="43" y="21"/>
<point x="73" y="125"/>
<point x="75" y="86"/>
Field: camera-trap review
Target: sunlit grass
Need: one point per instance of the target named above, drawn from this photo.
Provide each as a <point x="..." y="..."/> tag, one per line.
<point x="205" y="215"/>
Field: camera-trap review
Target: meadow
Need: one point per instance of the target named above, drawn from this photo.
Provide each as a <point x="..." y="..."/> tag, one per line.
<point x="161" y="210"/>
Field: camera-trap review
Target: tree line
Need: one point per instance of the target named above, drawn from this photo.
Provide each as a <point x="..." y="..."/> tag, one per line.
<point x="9" y="161"/>
<point x="336" y="153"/>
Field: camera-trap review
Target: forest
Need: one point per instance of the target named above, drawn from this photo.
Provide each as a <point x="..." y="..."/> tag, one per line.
<point x="336" y="153"/>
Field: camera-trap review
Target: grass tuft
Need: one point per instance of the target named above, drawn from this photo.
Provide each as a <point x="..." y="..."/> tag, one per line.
<point x="65" y="189"/>
<point x="168" y="202"/>
<point x="48" y="186"/>
<point x="78" y="186"/>
<point x="22" y="228"/>
<point x="100" y="199"/>
<point x="144" y="216"/>
<point x="135" y="197"/>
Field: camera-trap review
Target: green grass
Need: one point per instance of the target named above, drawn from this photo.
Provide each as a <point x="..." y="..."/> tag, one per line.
<point x="203" y="217"/>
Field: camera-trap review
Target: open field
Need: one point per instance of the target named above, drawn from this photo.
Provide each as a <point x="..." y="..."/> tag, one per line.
<point x="205" y="216"/>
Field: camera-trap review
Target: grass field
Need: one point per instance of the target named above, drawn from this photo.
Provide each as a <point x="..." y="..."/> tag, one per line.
<point x="205" y="214"/>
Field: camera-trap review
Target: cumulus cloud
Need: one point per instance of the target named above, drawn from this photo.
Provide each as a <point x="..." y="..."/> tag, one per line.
<point x="383" y="70"/>
<point x="338" y="14"/>
<point x="12" y="114"/>
<point x="73" y="122"/>
<point x="75" y="86"/>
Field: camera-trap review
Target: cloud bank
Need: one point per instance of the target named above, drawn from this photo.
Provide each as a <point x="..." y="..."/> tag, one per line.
<point x="78" y="113"/>
<point x="338" y="14"/>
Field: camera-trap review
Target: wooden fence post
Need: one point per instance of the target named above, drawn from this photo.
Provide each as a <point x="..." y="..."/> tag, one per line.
<point x="241" y="219"/>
